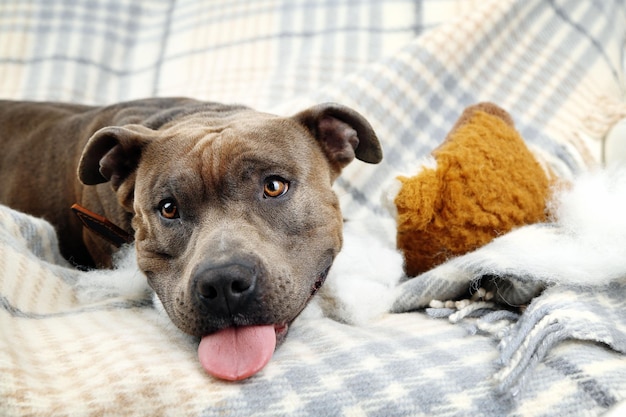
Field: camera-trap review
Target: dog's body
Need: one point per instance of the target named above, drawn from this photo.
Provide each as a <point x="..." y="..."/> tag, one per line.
<point x="232" y="211"/>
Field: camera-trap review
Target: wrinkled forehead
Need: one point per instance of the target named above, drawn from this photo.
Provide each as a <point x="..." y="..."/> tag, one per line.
<point x="235" y="146"/>
<point x="238" y="132"/>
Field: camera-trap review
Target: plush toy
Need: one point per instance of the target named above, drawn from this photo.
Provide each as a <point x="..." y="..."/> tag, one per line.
<point x="481" y="182"/>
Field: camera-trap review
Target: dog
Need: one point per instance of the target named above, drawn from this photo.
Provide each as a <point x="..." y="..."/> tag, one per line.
<point x="234" y="219"/>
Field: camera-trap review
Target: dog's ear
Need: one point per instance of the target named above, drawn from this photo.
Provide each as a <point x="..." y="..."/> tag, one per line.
<point x="112" y="154"/>
<point x="342" y="133"/>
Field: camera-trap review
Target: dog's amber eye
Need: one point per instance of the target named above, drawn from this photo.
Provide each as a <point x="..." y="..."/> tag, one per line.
<point x="169" y="209"/>
<point x="275" y="187"/>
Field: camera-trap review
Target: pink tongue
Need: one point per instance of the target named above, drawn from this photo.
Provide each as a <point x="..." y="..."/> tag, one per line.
<point x="237" y="352"/>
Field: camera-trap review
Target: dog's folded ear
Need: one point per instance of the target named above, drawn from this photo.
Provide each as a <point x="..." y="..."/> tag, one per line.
<point x="112" y="154"/>
<point x="342" y="133"/>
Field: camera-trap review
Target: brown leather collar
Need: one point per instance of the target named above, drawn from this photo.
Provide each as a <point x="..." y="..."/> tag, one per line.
<point x="102" y="226"/>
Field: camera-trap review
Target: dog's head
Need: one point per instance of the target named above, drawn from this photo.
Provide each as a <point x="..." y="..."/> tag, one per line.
<point x="236" y="224"/>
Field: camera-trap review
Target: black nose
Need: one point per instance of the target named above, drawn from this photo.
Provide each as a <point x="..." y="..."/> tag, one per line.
<point x="225" y="289"/>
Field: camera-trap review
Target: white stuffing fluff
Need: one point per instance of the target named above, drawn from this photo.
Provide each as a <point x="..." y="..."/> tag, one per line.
<point x="584" y="245"/>
<point x="124" y="280"/>
<point x="594" y="209"/>
<point x="360" y="283"/>
<point x="593" y="213"/>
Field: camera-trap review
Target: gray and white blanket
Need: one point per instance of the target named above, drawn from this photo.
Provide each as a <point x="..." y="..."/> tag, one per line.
<point x="410" y="67"/>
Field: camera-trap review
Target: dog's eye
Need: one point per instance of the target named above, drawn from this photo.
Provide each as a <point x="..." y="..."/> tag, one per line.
<point x="275" y="187"/>
<point x="168" y="209"/>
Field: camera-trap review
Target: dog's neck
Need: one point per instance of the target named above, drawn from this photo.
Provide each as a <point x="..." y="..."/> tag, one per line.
<point x="102" y="226"/>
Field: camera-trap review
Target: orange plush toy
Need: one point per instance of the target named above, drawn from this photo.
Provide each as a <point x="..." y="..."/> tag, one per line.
<point x="481" y="182"/>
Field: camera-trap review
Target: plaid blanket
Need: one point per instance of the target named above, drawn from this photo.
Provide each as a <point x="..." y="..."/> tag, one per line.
<point x="571" y="272"/>
<point x="410" y="67"/>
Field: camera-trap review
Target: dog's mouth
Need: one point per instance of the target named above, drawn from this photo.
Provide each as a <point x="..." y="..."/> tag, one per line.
<point x="238" y="352"/>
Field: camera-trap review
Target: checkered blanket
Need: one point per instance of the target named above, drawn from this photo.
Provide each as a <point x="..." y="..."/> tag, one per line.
<point x="410" y="67"/>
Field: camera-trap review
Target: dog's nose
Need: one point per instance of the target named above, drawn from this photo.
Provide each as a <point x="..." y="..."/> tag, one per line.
<point x="225" y="289"/>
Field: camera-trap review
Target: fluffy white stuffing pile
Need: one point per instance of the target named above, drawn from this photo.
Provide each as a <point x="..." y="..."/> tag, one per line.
<point x="124" y="280"/>
<point x="360" y="284"/>
<point x="593" y="214"/>
<point x="584" y="244"/>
